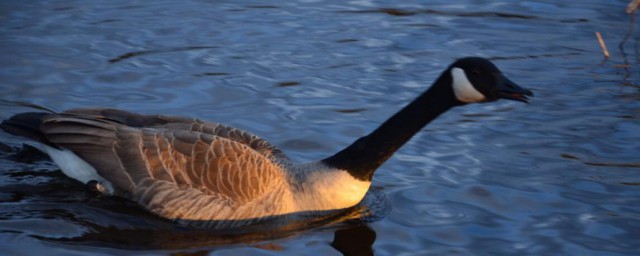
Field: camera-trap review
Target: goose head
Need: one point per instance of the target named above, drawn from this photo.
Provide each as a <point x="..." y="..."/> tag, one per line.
<point x="476" y="79"/>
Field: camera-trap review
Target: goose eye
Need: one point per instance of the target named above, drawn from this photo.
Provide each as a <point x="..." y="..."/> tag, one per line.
<point x="475" y="72"/>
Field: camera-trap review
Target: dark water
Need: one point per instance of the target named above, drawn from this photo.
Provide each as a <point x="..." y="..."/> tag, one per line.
<point x="560" y="176"/>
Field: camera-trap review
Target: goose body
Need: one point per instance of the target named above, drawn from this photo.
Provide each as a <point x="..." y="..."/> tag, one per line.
<point x="211" y="175"/>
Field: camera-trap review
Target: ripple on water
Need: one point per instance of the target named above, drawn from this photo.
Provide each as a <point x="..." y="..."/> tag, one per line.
<point x="45" y="228"/>
<point x="413" y="208"/>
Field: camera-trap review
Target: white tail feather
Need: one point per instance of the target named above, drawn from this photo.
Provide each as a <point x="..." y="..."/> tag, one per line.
<point x="74" y="167"/>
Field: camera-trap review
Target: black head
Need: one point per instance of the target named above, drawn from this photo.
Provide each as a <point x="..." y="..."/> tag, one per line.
<point x="476" y="79"/>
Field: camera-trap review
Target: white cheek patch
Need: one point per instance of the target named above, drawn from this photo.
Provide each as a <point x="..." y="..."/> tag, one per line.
<point x="463" y="89"/>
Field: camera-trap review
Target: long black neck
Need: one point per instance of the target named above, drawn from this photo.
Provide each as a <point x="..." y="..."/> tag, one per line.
<point x="367" y="153"/>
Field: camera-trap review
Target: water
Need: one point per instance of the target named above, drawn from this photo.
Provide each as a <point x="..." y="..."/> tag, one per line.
<point x="559" y="176"/>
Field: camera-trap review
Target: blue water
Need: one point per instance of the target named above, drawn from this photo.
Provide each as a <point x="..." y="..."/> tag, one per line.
<point x="559" y="176"/>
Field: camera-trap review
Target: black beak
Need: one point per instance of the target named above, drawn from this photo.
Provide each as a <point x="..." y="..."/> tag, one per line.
<point x="511" y="91"/>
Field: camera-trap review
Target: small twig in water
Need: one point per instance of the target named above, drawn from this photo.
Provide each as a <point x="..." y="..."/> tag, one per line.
<point x="633" y="6"/>
<point x="604" y="47"/>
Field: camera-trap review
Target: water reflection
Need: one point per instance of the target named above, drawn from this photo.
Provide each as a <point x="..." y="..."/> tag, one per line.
<point x="350" y="238"/>
<point x="354" y="240"/>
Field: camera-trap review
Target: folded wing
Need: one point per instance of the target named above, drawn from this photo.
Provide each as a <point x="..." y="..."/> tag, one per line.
<point x="178" y="168"/>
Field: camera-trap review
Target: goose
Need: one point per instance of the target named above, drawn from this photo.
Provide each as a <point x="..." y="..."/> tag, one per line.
<point x="205" y="174"/>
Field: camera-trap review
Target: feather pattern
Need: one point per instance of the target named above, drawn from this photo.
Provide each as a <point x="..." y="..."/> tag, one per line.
<point x="178" y="168"/>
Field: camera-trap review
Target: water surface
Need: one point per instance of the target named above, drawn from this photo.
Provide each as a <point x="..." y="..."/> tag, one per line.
<point x="559" y="176"/>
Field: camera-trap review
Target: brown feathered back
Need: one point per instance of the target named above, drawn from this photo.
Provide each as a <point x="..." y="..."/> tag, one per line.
<point x="145" y="157"/>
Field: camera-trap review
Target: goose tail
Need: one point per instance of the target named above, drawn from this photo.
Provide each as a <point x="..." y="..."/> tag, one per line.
<point x="26" y="125"/>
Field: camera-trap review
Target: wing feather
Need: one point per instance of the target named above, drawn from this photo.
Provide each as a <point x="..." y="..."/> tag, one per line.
<point x="171" y="165"/>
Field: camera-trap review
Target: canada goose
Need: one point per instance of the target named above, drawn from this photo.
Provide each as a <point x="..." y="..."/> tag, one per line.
<point x="211" y="175"/>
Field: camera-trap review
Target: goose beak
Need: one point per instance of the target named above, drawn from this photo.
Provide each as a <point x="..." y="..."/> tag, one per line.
<point x="511" y="91"/>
